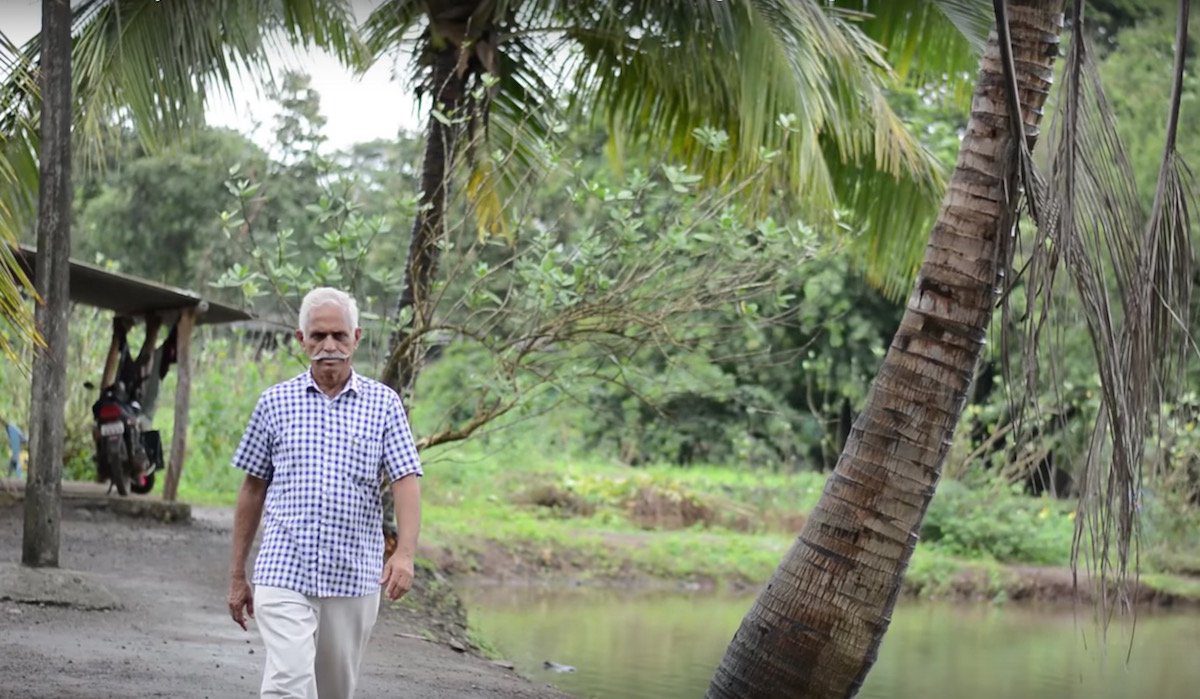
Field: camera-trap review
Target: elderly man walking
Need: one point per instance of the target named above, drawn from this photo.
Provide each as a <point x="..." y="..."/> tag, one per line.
<point x="312" y="454"/>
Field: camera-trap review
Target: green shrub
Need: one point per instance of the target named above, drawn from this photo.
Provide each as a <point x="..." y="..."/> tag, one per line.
<point x="228" y="376"/>
<point x="1004" y="525"/>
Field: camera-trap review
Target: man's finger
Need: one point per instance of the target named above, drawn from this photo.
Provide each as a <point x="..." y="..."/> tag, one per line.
<point x="250" y="605"/>
<point x="236" y="613"/>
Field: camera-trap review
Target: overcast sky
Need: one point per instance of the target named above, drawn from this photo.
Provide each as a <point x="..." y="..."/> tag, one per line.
<point x="374" y="106"/>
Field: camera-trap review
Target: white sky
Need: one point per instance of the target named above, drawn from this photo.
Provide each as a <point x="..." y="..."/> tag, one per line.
<point x="356" y="109"/>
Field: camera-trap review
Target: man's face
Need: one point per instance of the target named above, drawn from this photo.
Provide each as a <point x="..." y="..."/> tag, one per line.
<point x="330" y="341"/>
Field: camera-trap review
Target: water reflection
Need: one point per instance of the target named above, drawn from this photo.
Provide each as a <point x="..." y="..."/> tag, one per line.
<point x="665" y="645"/>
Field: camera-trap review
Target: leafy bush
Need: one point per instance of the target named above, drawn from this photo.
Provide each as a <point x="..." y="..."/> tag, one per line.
<point x="227" y="377"/>
<point x="1005" y="526"/>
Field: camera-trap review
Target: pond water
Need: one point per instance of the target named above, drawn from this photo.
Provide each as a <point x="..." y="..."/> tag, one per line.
<point x="666" y="645"/>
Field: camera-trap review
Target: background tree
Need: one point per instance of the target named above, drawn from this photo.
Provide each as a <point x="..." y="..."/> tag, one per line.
<point x="587" y="286"/>
<point x="155" y="212"/>
<point x="795" y="89"/>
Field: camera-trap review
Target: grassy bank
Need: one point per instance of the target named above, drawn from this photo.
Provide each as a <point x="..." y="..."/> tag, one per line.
<point x="504" y="510"/>
<point x="501" y="514"/>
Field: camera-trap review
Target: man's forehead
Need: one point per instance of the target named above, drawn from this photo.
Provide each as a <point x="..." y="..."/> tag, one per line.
<point x="329" y="317"/>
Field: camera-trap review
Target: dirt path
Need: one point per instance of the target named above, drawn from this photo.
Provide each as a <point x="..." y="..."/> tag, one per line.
<point x="173" y="636"/>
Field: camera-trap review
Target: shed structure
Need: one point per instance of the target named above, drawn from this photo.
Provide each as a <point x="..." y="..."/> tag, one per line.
<point x="136" y="298"/>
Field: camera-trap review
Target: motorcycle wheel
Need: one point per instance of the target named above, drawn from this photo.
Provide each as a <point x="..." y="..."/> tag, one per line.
<point x="114" y="454"/>
<point x="146" y="485"/>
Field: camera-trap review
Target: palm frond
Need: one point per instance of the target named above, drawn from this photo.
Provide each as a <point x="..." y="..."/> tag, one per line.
<point x="158" y="62"/>
<point x="522" y="114"/>
<point x="18" y="187"/>
<point x="1132" y="273"/>
<point x="972" y="19"/>
<point x="393" y="24"/>
<point x="927" y="40"/>
<point x="797" y="86"/>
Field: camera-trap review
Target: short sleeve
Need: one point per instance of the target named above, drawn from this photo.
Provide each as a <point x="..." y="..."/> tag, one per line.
<point x="399" y="449"/>
<point x="254" y="453"/>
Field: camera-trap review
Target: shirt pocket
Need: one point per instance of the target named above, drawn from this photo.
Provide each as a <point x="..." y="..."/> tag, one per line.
<point x="366" y="452"/>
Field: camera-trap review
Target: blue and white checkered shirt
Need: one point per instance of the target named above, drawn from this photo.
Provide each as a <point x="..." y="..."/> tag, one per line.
<point x="322" y="526"/>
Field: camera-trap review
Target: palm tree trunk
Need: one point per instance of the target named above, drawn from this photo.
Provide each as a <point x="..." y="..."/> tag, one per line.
<point x="815" y="629"/>
<point x="47" y="430"/>
<point x="429" y="227"/>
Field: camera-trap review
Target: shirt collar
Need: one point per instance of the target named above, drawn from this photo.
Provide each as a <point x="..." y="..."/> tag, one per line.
<point x="351" y="386"/>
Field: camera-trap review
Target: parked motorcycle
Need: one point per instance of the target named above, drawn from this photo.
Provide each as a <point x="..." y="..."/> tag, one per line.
<point x="127" y="453"/>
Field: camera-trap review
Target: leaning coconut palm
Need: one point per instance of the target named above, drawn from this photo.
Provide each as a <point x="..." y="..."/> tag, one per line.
<point x="148" y="63"/>
<point x="793" y="89"/>
<point x="153" y="61"/>
<point x="815" y="629"/>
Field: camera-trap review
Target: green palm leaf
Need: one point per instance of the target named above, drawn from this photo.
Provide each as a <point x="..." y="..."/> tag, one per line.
<point x="926" y="39"/>
<point x="18" y="201"/>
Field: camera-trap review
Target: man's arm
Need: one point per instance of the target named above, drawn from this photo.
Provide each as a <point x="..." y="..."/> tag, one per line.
<point x="245" y="525"/>
<point x="398" y="570"/>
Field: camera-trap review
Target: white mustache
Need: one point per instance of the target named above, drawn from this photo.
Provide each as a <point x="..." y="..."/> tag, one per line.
<point x="331" y="355"/>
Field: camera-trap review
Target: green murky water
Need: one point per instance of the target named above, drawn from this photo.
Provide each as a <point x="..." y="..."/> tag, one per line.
<point x="665" y="645"/>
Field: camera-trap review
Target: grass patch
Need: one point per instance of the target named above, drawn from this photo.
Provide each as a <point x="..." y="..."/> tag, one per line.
<point x="200" y="495"/>
<point x="931" y="572"/>
<point x="1174" y="585"/>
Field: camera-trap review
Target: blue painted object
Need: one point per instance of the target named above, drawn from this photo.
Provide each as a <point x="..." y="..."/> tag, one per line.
<point x="15" y="438"/>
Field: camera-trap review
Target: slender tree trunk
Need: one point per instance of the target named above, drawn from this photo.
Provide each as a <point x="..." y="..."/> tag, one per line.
<point x="405" y="353"/>
<point x="815" y="629"/>
<point x="48" y="394"/>
<point x="429" y="227"/>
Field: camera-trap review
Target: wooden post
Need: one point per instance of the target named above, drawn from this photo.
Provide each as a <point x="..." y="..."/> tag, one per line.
<point x="183" y="389"/>
<point x="48" y="398"/>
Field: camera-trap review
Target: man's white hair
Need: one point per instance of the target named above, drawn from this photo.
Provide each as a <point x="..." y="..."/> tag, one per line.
<point x="327" y="296"/>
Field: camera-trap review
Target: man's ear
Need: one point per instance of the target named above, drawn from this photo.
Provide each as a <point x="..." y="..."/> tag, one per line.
<point x="299" y="335"/>
<point x="357" y="335"/>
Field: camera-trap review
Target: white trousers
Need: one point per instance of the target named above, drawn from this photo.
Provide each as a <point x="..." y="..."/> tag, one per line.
<point x="314" y="644"/>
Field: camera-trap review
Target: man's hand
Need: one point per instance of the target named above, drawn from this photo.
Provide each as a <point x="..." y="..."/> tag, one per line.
<point x="397" y="576"/>
<point x="249" y="509"/>
<point x="241" y="601"/>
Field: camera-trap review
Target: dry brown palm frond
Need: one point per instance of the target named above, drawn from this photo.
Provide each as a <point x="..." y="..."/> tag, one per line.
<point x="1132" y="273"/>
